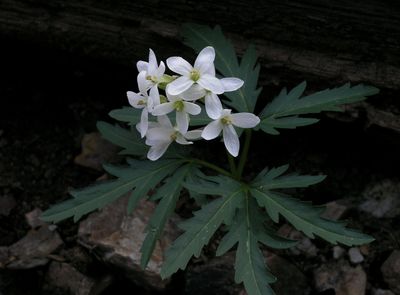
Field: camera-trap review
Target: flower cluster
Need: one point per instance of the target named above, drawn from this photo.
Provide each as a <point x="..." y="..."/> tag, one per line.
<point x="186" y="94"/>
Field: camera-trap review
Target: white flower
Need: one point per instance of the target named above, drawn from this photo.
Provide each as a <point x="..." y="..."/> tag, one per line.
<point x="143" y="101"/>
<point x="225" y="123"/>
<point x="154" y="72"/>
<point x="200" y="73"/>
<point x="212" y="102"/>
<point x="182" y="108"/>
<point x="162" y="135"/>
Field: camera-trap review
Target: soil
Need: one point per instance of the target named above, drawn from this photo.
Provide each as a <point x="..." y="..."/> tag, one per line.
<point x="51" y="99"/>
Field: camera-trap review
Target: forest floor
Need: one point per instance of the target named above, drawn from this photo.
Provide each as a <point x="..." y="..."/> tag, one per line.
<point x="51" y="100"/>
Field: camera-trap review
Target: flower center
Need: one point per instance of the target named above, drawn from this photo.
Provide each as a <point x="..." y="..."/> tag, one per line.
<point x="179" y="105"/>
<point x="174" y="136"/>
<point x="163" y="99"/>
<point x="152" y="79"/>
<point x="194" y="75"/>
<point x="141" y="102"/>
<point x="226" y="120"/>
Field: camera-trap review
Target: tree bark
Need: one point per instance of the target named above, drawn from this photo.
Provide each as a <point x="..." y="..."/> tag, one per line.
<point x="357" y="41"/>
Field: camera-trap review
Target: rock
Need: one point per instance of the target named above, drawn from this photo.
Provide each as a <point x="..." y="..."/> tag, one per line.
<point x="364" y="249"/>
<point x="78" y="257"/>
<point x="64" y="277"/>
<point x="382" y="199"/>
<point x="32" y="250"/>
<point x="381" y="292"/>
<point x="290" y="279"/>
<point x="214" y="277"/>
<point x="355" y="255"/>
<point x="217" y="277"/>
<point x="3" y="256"/>
<point x="96" y="151"/>
<point x="7" y="203"/>
<point x="33" y="218"/>
<point x="117" y="237"/>
<point x="342" y="278"/>
<point x="391" y="271"/>
<point x="334" y="211"/>
<point x="304" y="245"/>
<point x="338" y="252"/>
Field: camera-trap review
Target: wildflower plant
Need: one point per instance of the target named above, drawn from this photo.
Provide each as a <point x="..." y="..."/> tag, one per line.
<point x="166" y="117"/>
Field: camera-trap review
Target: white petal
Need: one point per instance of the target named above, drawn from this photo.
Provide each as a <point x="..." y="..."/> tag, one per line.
<point x="155" y="152"/>
<point x="211" y="83"/>
<point x="192" y="108"/>
<point x="210" y="71"/>
<point x="205" y="59"/>
<point x="155" y="97"/>
<point x="134" y="99"/>
<point x="245" y="120"/>
<point x="163" y="109"/>
<point x="194" y="134"/>
<point x="179" y="85"/>
<point x="178" y="65"/>
<point x="231" y="84"/>
<point x="173" y="98"/>
<point x="182" y="121"/>
<point x="213" y="106"/>
<point x="152" y="69"/>
<point x="212" y="130"/>
<point x="144" y="122"/>
<point x="158" y="134"/>
<point x="231" y="140"/>
<point x="181" y="140"/>
<point x="142" y="65"/>
<point x="160" y="70"/>
<point x="143" y="83"/>
<point x="164" y="121"/>
<point x="195" y="92"/>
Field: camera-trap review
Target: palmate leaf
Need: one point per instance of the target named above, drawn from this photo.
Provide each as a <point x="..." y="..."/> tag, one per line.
<point x="97" y="196"/>
<point x="200" y="228"/>
<point x="300" y="214"/>
<point x="226" y="62"/>
<point x="168" y="194"/>
<point x="128" y="140"/>
<point x="284" y="110"/>
<point x="247" y="230"/>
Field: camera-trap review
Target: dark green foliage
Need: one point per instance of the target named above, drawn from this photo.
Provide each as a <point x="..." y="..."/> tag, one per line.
<point x="301" y="215"/>
<point x="128" y="140"/>
<point x="200" y="228"/>
<point x="284" y="110"/>
<point x="168" y="194"/>
<point x="226" y="62"/>
<point x="249" y="210"/>
<point x="141" y="176"/>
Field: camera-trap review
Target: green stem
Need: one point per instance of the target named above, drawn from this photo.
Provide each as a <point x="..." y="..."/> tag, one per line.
<point x="244" y="154"/>
<point x="211" y="166"/>
<point x="232" y="163"/>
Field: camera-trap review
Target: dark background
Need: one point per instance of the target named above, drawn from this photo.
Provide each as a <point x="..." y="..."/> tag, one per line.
<point x="65" y="64"/>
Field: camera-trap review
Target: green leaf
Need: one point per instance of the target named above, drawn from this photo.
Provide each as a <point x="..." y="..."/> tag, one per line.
<point x="200" y="119"/>
<point x="302" y="215"/>
<point x="284" y="110"/>
<point x="247" y="231"/>
<point x="169" y="194"/>
<point x="88" y="200"/>
<point x="273" y="179"/>
<point x="226" y="62"/>
<point x="97" y="196"/>
<point x="126" y="114"/>
<point x="199" y="229"/>
<point x="124" y="138"/>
